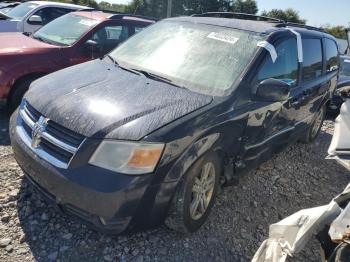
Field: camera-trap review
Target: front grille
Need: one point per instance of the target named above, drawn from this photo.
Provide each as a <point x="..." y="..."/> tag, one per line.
<point x="57" y="144"/>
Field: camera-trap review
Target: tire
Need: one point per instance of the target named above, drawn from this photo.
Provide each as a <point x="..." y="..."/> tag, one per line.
<point x="180" y="217"/>
<point x="19" y="89"/>
<point x="314" y="129"/>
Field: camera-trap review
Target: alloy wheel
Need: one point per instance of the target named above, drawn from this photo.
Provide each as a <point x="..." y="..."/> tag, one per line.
<point x="202" y="191"/>
<point x="318" y="123"/>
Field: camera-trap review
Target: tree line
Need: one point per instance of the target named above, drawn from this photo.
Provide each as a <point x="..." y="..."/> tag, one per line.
<point x="158" y="8"/>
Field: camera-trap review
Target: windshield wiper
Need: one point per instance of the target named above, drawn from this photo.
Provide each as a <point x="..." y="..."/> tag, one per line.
<point x="115" y="62"/>
<point x="41" y="39"/>
<point x="157" y="78"/>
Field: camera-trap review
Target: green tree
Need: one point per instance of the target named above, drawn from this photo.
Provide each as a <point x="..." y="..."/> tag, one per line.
<point x="336" y="31"/>
<point x="244" y="6"/>
<point x="288" y="15"/>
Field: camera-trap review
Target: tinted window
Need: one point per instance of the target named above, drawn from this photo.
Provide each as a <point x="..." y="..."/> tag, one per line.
<point x="331" y="55"/>
<point x="50" y="13"/>
<point x="110" y="37"/>
<point x="312" y="64"/>
<point x="285" y="67"/>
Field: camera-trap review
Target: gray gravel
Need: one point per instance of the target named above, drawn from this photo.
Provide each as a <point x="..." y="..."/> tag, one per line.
<point x="298" y="178"/>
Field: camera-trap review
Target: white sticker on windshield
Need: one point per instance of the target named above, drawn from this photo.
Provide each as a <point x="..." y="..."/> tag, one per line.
<point x="346" y="61"/>
<point x="87" y="22"/>
<point x="269" y="48"/>
<point x="223" y="37"/>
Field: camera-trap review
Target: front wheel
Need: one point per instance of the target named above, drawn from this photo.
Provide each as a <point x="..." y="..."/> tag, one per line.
<point x="315" y="127"/>
<point x="195" y="195"/>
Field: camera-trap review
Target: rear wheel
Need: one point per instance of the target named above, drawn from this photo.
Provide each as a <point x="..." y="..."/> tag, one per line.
<point x="195" y="195"/>
<point x="315" y="127"/>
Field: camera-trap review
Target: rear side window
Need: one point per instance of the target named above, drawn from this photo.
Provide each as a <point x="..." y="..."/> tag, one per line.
<point x="285" y="67"/>
<point x="331" y="55"/>
<point x="312" y="64"/>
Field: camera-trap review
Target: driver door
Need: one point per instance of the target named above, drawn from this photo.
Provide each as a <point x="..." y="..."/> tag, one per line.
<point x="271" y="125"/>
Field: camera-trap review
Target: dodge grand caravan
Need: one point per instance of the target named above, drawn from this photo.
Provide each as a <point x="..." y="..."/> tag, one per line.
<point x="149" y="133"/>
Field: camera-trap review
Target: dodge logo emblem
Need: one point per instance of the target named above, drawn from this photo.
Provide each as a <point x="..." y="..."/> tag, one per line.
<point x="38" y="129"/>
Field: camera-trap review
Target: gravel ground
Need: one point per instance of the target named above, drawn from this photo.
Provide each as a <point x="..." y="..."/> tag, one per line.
<point x="300" y="177"/>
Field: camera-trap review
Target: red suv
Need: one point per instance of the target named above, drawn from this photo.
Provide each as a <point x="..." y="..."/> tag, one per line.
<point x="71" y="39"/>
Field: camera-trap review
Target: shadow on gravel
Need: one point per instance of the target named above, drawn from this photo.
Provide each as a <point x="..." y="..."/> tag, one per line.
<point x="298" y="178"/>
<point x="4" y="128"/>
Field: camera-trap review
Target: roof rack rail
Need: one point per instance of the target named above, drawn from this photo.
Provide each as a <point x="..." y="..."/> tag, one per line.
<point x="120" y="15"/>
<point x="242" y="16"/>
<point x="116" y="15"/>
<point x="285" y="24"/>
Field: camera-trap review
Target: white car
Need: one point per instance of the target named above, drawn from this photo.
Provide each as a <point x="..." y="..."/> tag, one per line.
<point x="30" y="16"/>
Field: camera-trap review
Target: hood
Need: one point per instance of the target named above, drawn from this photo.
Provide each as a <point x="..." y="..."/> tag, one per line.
<point x="8" y="26"/>
<point x="98" y="100"/>
<point x="19" y="43"/>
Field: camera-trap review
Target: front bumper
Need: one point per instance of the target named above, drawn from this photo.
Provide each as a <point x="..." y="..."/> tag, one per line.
<point x="103" y="199"/>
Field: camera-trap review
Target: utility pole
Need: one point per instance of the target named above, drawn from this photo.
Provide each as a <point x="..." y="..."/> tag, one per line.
<point x="170" y="6"/>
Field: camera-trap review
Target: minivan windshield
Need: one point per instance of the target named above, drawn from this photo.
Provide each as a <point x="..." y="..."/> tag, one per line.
<point x="65" y="30"/>
<point x="203" y="58"/>
<point x="21" y="10"/>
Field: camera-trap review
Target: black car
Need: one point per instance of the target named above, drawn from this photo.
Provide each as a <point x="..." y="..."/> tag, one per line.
<point x="343" y="81"/>
<point x="149" y="133"/>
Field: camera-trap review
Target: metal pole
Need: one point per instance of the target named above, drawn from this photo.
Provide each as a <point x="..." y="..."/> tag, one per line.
<point x="170" y="6"/>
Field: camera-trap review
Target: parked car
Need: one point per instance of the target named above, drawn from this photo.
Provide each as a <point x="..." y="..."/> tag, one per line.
<point x="7" y="6"/>
<point x="71" y="39"/>
<point x="150" y="132"/>
<point x="30" y="16"/>
<point x="344" y="80"/>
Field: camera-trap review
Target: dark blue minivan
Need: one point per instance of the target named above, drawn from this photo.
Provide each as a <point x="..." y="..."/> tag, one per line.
<point x="149" y="133"/>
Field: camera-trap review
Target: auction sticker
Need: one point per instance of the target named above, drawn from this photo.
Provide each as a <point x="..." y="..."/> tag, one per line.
<point x="223" y="37"/>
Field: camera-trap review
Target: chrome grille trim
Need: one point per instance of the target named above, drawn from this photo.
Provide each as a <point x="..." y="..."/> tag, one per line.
<point x="39" y="151"/>
<point x="46" y="135"/>
<point x="29" y="121"/>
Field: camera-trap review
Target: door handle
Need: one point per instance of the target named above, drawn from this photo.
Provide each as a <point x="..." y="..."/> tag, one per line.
<point x="299" y="101"/>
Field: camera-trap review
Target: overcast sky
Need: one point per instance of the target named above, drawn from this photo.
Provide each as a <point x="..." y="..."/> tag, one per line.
<point x="317" y="12"/>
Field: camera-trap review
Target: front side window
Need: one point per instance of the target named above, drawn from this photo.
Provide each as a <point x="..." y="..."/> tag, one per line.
<point x="51" y="13"/>
<point x="21" y="10"/>
<point x="331" y="55"/>
<point x="312" y="64"/>
<point x="65" y="30"/>
<point x="285" y="68"/>
<point x="110" y="37"/>
<point x="203" y="58"/>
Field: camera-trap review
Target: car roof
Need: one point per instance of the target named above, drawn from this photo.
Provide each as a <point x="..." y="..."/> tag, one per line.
<point x="48" y="3"/>
<point x="252" y="25"/>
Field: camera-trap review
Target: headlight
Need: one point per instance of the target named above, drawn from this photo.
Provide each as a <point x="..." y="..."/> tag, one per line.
<point x="127" y="157"/>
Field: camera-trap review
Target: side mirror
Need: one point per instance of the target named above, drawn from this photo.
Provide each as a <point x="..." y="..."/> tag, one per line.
<point x="272" y="90"/>
<point x="35" y="20"/>
<point x="91" y="44"/>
